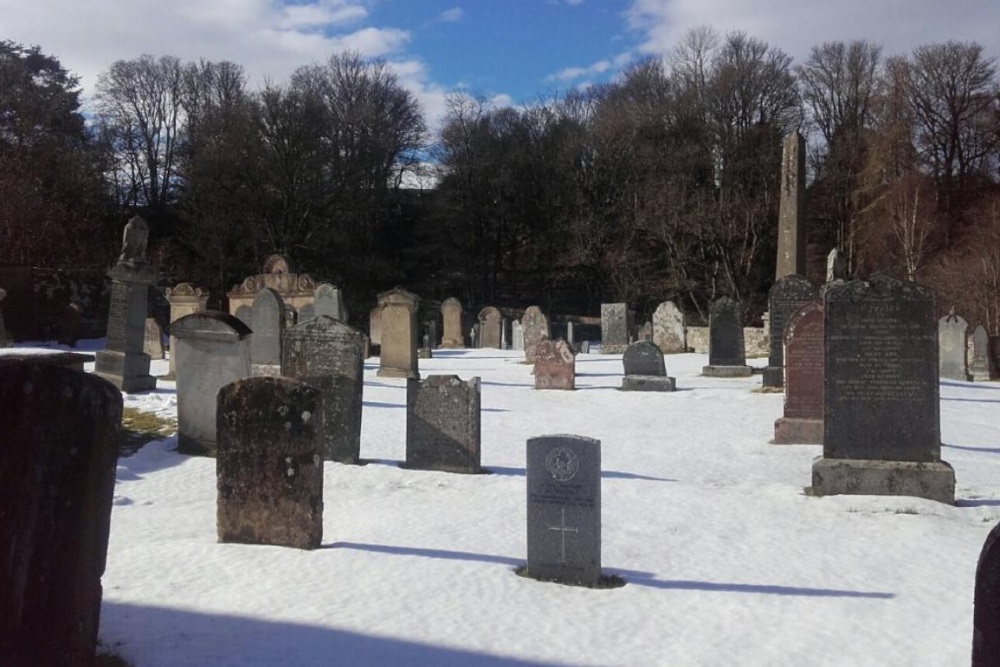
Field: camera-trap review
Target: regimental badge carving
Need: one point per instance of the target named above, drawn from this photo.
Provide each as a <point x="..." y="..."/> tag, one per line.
<point x="562" y="463"/>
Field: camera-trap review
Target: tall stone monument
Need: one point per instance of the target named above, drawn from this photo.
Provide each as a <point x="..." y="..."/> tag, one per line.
<point x="791" y="212"/>
<point x="122" y="362"/>
<point x="616" y="323"/>
<point x="398" y="358"/>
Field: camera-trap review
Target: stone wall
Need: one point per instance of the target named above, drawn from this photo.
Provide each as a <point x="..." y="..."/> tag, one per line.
<point x="755" y="340"/>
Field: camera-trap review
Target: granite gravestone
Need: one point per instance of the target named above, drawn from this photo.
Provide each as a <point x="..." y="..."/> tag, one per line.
<point x="644" y="369"/>
<point x="953" y="347"/>
<point x="516" y="336"/>
<point x="787" y="295"/>
<point x="443" y="424"/>
<point x="881" y="415"/>
<point x="152" y="343"/>
<point x="564" y="509"/>
<point x="245" y="315"/>
<point x="986" y="605"/>
<point x="615" y="326"/>
<point x="980" y="369"/>
<point x="268" y="324"/>
<point x="669" y="333"/>
<point x="535" y="329"/>
<point x="802" y="422"/>
<point x="398" y="358"/>
<point x="57" y="471"/>
<point x="269" y="463"/>
<point x="328" y="301"/>
<point x="184" y="299"/>
<point x="791" y="209"/>
<point x="555" y="365"/>
<point x="213" y="349"/>
<point x="329" y="355"/>
<point x="490" y="330"/>
<point x="451" y="319"/>
<point x="726" y="352"/>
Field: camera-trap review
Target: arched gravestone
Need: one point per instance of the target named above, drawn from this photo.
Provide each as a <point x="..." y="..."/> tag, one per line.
<point x="726" y="351"/>
<point x="616" y="323"/>
<point x="328" y="301"/>
<point x="644" y="369"/>
<point x="535" y="328"/>
<point x="398" y="357"/>
<point x="59" y="432"/>
<point x="451" y="318"/>
<point x="184" y="299"/>
<point x="986" y="607"/>
<point x="980" y="369"/>
<point x="490" y="332"/>
<point x="786" y="296"/>
<point x="952" y="343"/>
<point x="555" y="365"/>
<point x="213" y="349"/>
<point x="269" y="321"/>
<point x="802" y="422"/>
<point x="443" y="429"/>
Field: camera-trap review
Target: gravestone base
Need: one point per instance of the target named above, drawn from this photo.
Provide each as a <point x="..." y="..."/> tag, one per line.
<point x="863" y="477"/>
<point x="397" y="373"/>
<point x="127" y="371"/>
<point x="648" y="383"/>
<point x="451" y="344"/>
<point x="979" y="372"/>
<point x="727" y="371"/>
<point x="424" y="353"/>
<point x="774" y="377"/>
<point x="194" y="447"/>
<point x="797" y="431"/>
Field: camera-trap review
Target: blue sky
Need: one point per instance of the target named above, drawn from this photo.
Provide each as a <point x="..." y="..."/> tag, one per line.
<point x="511" y="50"/>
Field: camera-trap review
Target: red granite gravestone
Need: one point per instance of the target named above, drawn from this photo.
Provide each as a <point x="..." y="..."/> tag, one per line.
<point x="802" y="422"/>
<point x="555" y="365"/>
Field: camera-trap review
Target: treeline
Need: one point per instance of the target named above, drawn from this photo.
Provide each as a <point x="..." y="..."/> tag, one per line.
<point x="662" y="184"/>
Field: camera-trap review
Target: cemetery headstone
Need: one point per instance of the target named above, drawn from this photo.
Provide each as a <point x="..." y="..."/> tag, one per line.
<point x="152" y="343"/>
<point x="268" y="324"/>
<point x="443" y="424"/>
<point x="295" y="289"/>
<point x="504" y="338"/>
<point x="213" y="349"/>
<point x="555" y="365"/>
<point x="329" y="355"/>
<point x="451" y="318"/>
<point x="615" y="327"/>
<point x="184" y="299"/>
<point x="980" y="369"/>
<point x="953" y="346"/>
<point x="375" y="325"/>
<point x="245" y="315"/>
<point x="787" y="295"/>
<point x="490" y="329"/>
<point x="328" y="301"/>
<point x="881" y="416"/>
<point x="669" y="333"/>
<point x="645" y="333"/>
<point x="986" y="605"/>
<point x="535" y="326"/>
<point x="791" y="209"/>
<point x="269" y="463"/>
<point x="726" y="351"/>
<point x="644" y="369"/>
<point x="57" y="471"/>
<point x="836" y="269"/>
<point x="802" y="422"/>
<point x="516" y="336"/>
<point x="564" y="509"/>
<point x="399" y="334"/>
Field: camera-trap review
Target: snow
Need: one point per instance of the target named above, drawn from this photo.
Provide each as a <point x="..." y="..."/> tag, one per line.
<point x="726" y="560"/>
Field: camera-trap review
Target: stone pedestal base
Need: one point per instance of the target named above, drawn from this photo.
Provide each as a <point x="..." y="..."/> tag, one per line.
<point x="127" y="371"/>
<point x="727" y="371"/>
<point x="934" y="481"/>
<point x="774" y="377"/>
<point x="404" y="373"/>
<point x="648" y="383"/>
<point x="796" y="431"/>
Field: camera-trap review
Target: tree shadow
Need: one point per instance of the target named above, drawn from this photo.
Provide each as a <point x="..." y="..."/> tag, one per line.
<point x="972" y="400"/>
<point x="971" y="385"/>
<point x="984" y="450"/>
<point x="978" y="502"/>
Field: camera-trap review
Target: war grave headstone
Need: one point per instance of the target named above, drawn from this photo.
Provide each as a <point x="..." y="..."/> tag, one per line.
<point x="213" y="349"/>
<point x="184" y="299"/>
<point x="555" y="365"/>
<point x="980" y="368"/>
<point x="296" y="289"/>
<point x="268" y="324"/>
<point x="329" y="355"/>
<point x="802" y="422"/>
<point x="57" y="471"/>
<point x="443" y="424"/>
<point x="726" y="351"/>
<point x="952" y="342"/>
<point x="490" y="329"/>
<point x="398" y="358"/>
<point x="564" y="509"/>
<point x="791" y="209"/>
<point x="669" y="333"/>
<point x="881" y="414"/>
<point x="327" y="300"/>
<point x="451" y="319"/>
<point x="122" y="362"/>
<point x="787" y="295"/>
<point x="986" y="604"/>
<point x="516" y="336"/>
<point x="644" y="369"/>
<point x="615" y="326"/>
<point x="535" y="329"/>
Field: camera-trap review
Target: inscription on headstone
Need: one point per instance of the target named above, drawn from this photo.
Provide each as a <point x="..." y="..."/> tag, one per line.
<point x="615" y="327"/>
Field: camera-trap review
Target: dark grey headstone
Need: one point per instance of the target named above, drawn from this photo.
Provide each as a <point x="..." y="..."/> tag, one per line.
<point x="490" y="327"/>
<point x="329" y="355"/>
<point x="328" y="301"/>
<point x="122" y="362"/>
<point x="986" y="607"/>
<point x="306" y="312"/>
<point x="443" y="424"/>
<point x="643" y="358"/>
<point x="57" y="474"/>
<point x="564" y="509"/>
<point x="615" y="327"/>
<point x="269" y="463"/>
<point x="980" y="368"/>
<point x="786" y="296"/>
<point x="953" y="347"/>
<point x="268" y="324"/>
<point x="725" y="334"/>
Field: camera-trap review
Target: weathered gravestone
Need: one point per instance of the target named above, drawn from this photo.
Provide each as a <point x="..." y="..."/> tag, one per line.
<point x="644" y="369"/>
<point x="516" y="336"/>
<point x="122" y="362"/>
<point x="645" y="333"/>
<point x="295" y="289"/>
<point x="213" y="349"/>
<point x="802" y="422"/>
<point x="555" y="365"/>
<point x="564" y="509"/>
<point x="490" y="330"/>
<point x="184" y="299"/>
<point x="269" y="463"/>
<point x="953" y="346"/>
<point x="443" y="424"/>
<point x="881" y="416"/>
<point x="791" y="209"/>
<point x="329" y="355"/>
<point x="268" y="325"/>
<point x="451" y="320"/>
<point x="328" y="301"/>
<point x="980" y="369"/>
<point x="245" y="315"/>
<point x="726" y="351"/>
<point x="669" y="333"/>
<point x="398" y="358"/>
<point x="787" y="295"/>
<point x="836" y="269"/>
<point x="57" y="472"/>
<point x="375" y="325"/>
<point x="986" y="606"/>
<point x="535" y="328"/>
<point x="152" y="343"/>
<point x="616" y="323"/>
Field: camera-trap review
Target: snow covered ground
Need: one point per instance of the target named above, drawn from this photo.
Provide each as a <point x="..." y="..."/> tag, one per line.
<point x="727" y="562"/>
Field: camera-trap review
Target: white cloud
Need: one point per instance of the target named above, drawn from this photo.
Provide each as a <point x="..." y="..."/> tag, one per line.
<point x="599" y="67"/>
<point x="452" y="15"/>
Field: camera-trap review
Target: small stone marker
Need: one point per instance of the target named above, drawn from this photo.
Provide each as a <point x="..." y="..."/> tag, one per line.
<point x="555" y="365"/>
<point x="327" y="300"/>
<point x="451" y="318"/>
<point x="881" y="417"/>
<point x="269" y="463"/>
<point x="615" y="326"/>
<point x="564" y="509"/>
<point x="786" y="296"/>
<point x="268" y="324"/>
<point x="57" y="471"/>
<point x="726" y="351"/>
<point x="490" y="328"/>
<point x="645" y="332"/>
<point x="644" y="369"/>
<point x="802" y="422"/>
<point x="329" y="355"/>
<point x="443" y="424"/>
<point x="953" y="346"/>
<point x="516" y="336"/>
<point x="986" y="606"/>
<point x="980" y="369"/>
<point x="669" y="332"/>
<point x="398" y="358"/>
<point x="535" y="326"/>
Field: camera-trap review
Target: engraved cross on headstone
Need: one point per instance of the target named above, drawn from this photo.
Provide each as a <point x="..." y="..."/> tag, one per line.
<point x="563" y="529"/>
